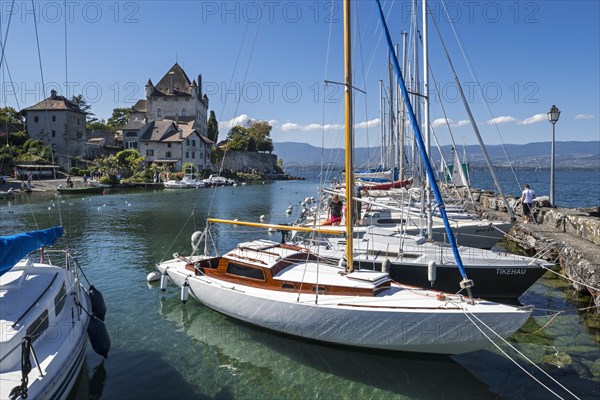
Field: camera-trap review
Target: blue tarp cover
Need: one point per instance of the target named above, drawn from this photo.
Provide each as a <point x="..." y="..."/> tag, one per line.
<point x="14" y="247"/>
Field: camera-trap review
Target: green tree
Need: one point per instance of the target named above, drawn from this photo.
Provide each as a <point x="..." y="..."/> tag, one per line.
<point x="34" y="150"/>
<point x="213" y="127"/>
<point x="260" y="131"/>
<point x="83" y="105"/>
<point x="17" y="139"/>
<point x="252" y="144"/>
<point x="98" y="126"/>
<point x="238" y="138"/>
<point x="119" y="118"/>
<point x="11" y="117"/>
<point x="216" y="155"/>
<point x="129" y="162"/>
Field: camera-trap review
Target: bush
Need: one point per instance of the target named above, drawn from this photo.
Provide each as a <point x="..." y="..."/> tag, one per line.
<point x="108" y="180"/>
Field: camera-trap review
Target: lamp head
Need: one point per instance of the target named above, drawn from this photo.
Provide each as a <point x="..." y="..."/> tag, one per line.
<point x="553" y="115"/>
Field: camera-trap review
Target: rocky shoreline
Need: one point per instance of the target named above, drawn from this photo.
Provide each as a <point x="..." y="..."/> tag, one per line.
<point x="570" y="237"/>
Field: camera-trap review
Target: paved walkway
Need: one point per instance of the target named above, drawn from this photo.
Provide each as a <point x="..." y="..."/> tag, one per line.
<point x="43" y="185"/>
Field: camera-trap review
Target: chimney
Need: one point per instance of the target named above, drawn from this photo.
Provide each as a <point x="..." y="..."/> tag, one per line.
<point x="171" y="82"/>
<point x="53" y="94"/>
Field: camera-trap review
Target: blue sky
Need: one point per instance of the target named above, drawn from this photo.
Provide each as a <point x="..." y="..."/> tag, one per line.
<point x="269" y="61"/>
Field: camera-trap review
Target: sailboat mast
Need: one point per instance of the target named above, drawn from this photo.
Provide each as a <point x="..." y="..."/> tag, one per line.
<point x="349" y="141"/>
<point x="403" y="116"/>
<point x="465" y="283"/>
<point x="426" y="118"/>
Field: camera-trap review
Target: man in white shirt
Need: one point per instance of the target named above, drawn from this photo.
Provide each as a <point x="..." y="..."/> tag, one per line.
<point x="527" y="199"/>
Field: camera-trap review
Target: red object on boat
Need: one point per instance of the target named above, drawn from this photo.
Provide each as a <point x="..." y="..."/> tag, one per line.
<point x="391" y="185"/>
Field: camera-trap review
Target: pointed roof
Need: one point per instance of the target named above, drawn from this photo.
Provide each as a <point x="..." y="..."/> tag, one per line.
<point x="140" y="106"/>
<point x="54" y="102"/>
<point x="149" y="83"/>
<point x="181" y="83"/>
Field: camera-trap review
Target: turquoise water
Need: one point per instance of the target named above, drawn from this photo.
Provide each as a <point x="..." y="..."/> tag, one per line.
<point x="163" y="349"/>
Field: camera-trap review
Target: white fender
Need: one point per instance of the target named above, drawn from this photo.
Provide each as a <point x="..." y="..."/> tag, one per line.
<point x="185" y="288"/>
<point x="164" y="279"/>
<point x="431" y="268"/>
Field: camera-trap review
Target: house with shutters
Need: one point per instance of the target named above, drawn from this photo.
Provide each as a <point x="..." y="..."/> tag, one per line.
<point x="59" y="124"/>
<point x="170" y="125"/>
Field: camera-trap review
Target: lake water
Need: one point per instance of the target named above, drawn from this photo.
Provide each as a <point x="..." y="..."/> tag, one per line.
<point x="162" y="349"/>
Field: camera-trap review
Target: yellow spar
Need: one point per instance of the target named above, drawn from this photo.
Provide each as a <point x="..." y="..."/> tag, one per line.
<point x="280" y="227"/>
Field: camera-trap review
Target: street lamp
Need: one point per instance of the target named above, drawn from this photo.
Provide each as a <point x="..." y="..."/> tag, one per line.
<point x="553" y="115"/>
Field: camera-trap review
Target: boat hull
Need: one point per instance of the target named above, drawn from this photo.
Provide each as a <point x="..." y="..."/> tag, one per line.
<point x="60" y="348"/>
<point x="350" y="320"/>
<point x="82" y="190"/>
<point x="491" y="282"/>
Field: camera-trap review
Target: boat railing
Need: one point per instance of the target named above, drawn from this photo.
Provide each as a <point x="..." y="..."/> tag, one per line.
<point x="26" y="345"/>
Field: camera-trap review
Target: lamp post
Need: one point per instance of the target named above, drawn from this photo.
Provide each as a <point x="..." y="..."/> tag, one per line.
<point x="553" y="116"/>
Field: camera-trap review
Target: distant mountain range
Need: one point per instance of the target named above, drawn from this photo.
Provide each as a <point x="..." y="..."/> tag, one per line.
<point x="568" y="155"/>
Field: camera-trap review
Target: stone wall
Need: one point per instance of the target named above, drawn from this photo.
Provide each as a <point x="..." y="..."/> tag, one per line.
<point x="569" y="236"/>
<point x="245" y="161"/>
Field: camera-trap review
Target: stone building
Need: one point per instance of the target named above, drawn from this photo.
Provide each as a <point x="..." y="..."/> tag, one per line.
<point x="60" y="124"/>
<point x="170" y="125"/>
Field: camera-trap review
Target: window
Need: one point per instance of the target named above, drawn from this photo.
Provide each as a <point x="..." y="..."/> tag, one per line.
<point x="79" y="134"/>
<point x="193" y="154"/>
<point x="168" y="154"/>
<point x="169" y="145"/>
<point x="77" y="121"/>
<point x="36" y="119"/>
<point x="193" y="142"/>
<point x="184" y="112"/>
<point x="187" y="142"/>
<point x="59" y="300"/>
<point x="130" y="134"/>
<point x="150" y="153"/>
<point x="245" y="271"/>
<point x="38" y="326"/>
<point x="53" y="133"/>
<point x="187" y="155"/>
<point x="159" y="113"/>
<point x="54" y="118"/>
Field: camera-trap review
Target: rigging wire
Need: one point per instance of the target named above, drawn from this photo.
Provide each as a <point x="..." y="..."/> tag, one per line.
<point x="480" y="91"/>
<point x="469" y="315"/>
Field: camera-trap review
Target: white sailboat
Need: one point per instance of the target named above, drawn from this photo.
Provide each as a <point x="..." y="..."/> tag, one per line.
<point x="46" y="316"/>
<point x="291" y="290"/>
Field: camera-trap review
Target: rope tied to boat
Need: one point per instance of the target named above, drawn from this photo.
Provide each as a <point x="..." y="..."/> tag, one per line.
<point x="25" y="370"/>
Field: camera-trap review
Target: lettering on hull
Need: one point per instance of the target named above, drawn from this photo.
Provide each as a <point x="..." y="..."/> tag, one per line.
<point x="511" y="271"/>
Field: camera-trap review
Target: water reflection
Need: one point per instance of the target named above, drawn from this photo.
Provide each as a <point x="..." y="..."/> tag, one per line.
<point x="246" y="351"/>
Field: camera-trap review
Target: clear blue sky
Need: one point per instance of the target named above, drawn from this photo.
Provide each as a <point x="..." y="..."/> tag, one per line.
<point x="268" y="61"/>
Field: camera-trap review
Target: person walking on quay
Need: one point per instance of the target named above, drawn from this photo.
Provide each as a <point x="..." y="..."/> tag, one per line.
<point x="527" y="200"/>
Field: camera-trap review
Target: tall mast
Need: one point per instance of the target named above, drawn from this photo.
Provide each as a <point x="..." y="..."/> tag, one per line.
<point x="349" y="141"/>
<point x="402" y="117"/>
<point x="466" y="283"/>
<point x="390" y="145"/>
<point x="426" y="118"/>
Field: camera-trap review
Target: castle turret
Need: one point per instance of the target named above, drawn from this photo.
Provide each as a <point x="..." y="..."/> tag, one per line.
<point x="194" y="89"/>
<point x="149" y="88"/>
